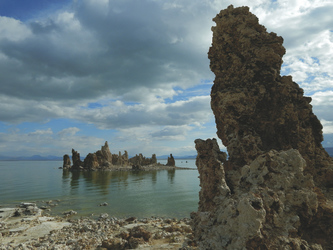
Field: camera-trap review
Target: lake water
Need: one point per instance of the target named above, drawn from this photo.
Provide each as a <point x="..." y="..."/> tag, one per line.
<point x="165" y="193"/>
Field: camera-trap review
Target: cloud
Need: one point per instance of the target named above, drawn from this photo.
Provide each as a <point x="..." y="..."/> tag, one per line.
<point x="323" y="98"/>
<point x="86" y="54"/>
<point x="140" y="68"/>
<point x="174" y="133"/>
<point x="40" y="132"/>
<point x="46" y="142"/>
<point x="68" y="132"/>
<point x="13" y="30"/>
<point x="328" y="126"/>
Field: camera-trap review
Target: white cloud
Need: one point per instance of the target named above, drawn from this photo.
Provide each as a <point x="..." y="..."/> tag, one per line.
<point x="328" y="126"/>
<point x="323" y="98"/>
<point x="46" y="142"/>
<point x="68" y="132"/>
<point x="40" y="132"/>
<point x="13" y="30"/>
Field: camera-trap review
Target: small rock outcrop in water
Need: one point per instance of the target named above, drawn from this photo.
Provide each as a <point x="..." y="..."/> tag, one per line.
<point x="103" y="159"/>
<point x="274" y="190"/>
<point x="67" y="162"/>
<point x="171" y="161"/>
<point x="77" y="163"/>
<point x="140" y="160"/>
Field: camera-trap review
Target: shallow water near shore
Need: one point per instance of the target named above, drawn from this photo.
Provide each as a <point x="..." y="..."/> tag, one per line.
<point x="162" y="193"/>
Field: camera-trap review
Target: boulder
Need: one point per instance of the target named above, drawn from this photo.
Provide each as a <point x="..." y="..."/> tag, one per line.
<point x="274" y="189"/>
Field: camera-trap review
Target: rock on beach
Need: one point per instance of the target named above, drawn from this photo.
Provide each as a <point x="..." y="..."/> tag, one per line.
<point x="25" y="230"/>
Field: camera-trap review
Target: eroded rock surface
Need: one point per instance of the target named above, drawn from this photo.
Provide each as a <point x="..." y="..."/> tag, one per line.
<point x="256" y="109"/>
<point x="275" y="189"/>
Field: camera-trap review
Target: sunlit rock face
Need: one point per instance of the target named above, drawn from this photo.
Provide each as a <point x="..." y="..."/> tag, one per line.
<point x="274" y="190"/>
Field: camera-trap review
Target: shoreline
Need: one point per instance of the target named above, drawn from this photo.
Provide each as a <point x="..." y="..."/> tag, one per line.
<point x="26" y="227"/>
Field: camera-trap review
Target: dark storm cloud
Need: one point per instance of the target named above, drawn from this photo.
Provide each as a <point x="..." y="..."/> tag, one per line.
<point x="93" y="52"/>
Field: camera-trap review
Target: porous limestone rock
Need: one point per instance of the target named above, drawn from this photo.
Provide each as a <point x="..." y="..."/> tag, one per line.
<point x="270" y="204"/>
<point x="274" y="191"/>
<point x="256" y="109"/>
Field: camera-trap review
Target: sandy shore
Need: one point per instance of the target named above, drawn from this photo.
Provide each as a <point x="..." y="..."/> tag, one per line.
<point x="25" y="227"/>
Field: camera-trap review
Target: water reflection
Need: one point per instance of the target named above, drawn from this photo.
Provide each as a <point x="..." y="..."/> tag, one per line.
<point x="105" y="181"/>
<point x="171" y="175"/>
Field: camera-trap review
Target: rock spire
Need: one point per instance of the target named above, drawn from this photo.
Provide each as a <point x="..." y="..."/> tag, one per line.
<point x="274" y="190"/>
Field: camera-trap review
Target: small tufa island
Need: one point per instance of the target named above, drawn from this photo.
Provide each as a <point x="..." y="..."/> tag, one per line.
<point x="104" y="160"/>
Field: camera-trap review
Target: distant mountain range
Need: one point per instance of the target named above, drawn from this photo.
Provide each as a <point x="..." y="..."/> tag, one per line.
<point x="58" y="158"/>
<point x="31" y="158"/>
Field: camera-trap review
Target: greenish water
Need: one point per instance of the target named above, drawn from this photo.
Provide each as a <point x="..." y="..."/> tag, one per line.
<point x="166" y="193"/>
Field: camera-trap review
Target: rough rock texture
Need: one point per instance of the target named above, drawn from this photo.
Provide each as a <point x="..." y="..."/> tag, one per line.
<point x="171" y="161"/>
<point x="67" y="162"/>
<point x="91" y="161"/>
<point x="275" y="189"/>
<point x="269" y="204"/>
<point x="256" y="109"/>
<point x="119" y="159"/>
<point x="104" y="156"/>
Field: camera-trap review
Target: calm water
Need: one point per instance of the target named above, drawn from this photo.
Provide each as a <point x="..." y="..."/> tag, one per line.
<point x="163" y="193"/>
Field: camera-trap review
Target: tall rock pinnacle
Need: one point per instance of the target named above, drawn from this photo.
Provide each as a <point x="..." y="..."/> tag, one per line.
<point x="275" y="189"/>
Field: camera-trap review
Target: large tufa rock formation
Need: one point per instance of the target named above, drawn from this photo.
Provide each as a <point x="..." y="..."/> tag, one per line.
<point x="256" y="109"/>
<point x="273" y="192"/>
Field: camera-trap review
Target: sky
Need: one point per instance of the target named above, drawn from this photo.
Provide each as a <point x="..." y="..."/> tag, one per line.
<point x="77" y="73"/>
